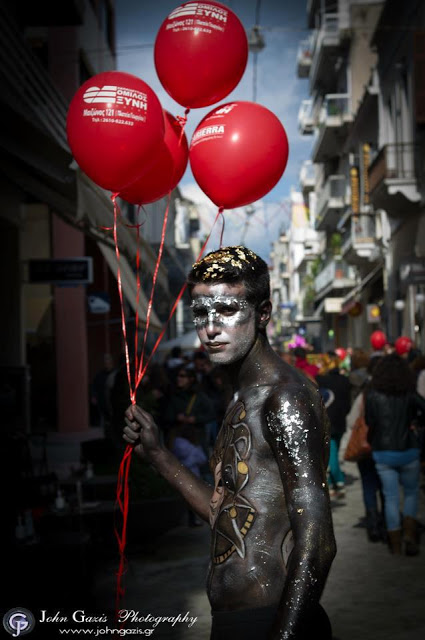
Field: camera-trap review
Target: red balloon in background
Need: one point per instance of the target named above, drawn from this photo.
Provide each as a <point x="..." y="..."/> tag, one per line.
<point x="378" y="340"/>
<point x="403" y="344"/>
<point x="169" y="166"/>
<point x="341" y="353"/>
<point x="114" y="126"/>
<point x="200" y="53"/>
<point x="238" y="153"/>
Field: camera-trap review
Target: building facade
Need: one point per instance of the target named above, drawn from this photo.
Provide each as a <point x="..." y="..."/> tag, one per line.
<point x="362" y="63"/>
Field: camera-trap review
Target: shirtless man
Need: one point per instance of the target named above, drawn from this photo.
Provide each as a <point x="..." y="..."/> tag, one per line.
<point x="269" y="511"/>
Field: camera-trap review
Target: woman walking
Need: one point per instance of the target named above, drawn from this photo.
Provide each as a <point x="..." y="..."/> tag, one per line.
<point x="392" y="406"/>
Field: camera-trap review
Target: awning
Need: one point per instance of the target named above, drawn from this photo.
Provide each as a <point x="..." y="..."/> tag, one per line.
<point x="95" y="206"/>
<point x="129" y="286"/>
<point x="188" y="340"/>
<point x="358" y="288"/>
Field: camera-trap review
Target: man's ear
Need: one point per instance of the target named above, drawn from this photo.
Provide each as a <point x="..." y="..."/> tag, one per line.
<point x="264" y="312"/>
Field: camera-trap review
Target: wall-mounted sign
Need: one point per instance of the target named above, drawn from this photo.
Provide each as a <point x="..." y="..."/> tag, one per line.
<point x="61" y="271"/>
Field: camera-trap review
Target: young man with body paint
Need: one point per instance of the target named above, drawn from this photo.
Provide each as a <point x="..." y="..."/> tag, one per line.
<point x="269" y="511"/>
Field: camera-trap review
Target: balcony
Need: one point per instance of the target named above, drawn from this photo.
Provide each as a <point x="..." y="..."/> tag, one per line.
<point x="336" y="274"/>
<point x="304" y="56"/>
<point x="334" y="121"/>
<point x="326" y="49"/>
<point x="331" y="203"/>
<point x="305" y="118"/>
<point x="359" y="244"/>
<point x="307" y="178"/>
<point x="393" y="181"/>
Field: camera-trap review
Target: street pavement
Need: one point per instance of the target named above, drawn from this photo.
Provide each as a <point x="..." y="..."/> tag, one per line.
<point x="370" y="594"/>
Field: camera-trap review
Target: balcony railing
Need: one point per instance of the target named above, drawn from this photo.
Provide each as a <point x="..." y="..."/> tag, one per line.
<point x="394" y="162"/>
<point x="359" y="235"/>
<point x="27" y="85"/>
<point x="325" y="37"/>
<point x="306" y="117"/>
<point x="337" y="272"/>
<point x="332" y="196"/>
<point x="335" y="105"/>
<point x="304" y="57"/>
<point x="307" y="175"/>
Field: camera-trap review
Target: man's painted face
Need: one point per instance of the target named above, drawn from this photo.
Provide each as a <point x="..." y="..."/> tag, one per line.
<point x="225" y="321"/>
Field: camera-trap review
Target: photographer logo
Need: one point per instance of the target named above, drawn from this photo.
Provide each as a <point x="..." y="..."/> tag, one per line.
<point x="18" y="622"/>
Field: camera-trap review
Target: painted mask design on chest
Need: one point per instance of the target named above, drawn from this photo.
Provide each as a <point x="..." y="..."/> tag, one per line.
<point x="231" y="514"/>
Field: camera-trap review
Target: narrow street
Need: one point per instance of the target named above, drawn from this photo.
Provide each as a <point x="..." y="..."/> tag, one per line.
<point x="370" y="594"/>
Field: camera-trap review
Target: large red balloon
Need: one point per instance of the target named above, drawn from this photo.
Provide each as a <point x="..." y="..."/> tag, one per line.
<point x="238" y="153"/>
<point x="169" y="166"/>
<point x="200" y="54"/>
<point x="114" y="126"/>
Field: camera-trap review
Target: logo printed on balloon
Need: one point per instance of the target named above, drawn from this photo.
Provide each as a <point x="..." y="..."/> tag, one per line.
<point x="199" y="10"/>
<point x="110" y="95"/>
<point x="207" y="133"/>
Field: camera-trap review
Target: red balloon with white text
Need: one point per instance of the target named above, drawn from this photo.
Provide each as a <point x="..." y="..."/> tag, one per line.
<point x="238" y="153"/>
<point x="114" y="125"/>
<point x="166" y="172"/>
<point x="200" y="53"/>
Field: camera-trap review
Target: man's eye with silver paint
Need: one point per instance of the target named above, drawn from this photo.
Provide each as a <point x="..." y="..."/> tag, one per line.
<point x="226" y="309"/>
<point x="199" y="312"/>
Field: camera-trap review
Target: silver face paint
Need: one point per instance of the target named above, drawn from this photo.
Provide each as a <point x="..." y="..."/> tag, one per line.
<point x="225" y="321"/>
<point x="221" y="310"/>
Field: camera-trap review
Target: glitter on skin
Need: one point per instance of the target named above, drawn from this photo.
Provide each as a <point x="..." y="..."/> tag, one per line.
<point x="214" y="309"/>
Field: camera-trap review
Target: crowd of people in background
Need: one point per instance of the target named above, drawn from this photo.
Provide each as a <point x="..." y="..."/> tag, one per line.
<point x="187" y="396"/>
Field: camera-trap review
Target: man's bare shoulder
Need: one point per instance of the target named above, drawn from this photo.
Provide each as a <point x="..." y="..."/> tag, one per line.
<point x="293" y="401"/>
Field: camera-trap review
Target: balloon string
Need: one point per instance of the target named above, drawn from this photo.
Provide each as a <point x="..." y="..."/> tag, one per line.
<point x="136" y="332"/>
<point x="220" y="212"/>
<point x="155" y="275"/>
<point x="123" y="326"/>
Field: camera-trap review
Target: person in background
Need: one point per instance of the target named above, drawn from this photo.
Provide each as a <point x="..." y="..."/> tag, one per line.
<point x="99" y="391"/>
<point x="187" y="405"/>
<point x="301" y="362"/>
<point x="173" y="362"/>
<point x="187" y="449"/>
<point x="373" y="498"/>
<point x="392" y="405"/>
<point x="337" y="411"/>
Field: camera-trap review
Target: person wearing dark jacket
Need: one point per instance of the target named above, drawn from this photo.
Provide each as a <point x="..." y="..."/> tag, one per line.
<point x="337" y="410"/>
<point x="187" y="405"/>
<point x="392" y="406"/>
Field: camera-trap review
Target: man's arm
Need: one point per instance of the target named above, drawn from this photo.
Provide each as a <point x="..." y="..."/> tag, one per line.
<point x="142" y="432"/>
<point x="297" y="431"/>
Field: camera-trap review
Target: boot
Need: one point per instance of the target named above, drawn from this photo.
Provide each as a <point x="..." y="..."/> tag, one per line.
<point x="372" y="525"/>
<point x="410" y="536"/>
<point x="394" y="541"/>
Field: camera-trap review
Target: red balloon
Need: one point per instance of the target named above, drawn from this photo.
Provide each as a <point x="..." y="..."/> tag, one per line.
<point x="403" y="344"/>
<point x="238" y="153"/>
<point x="169" y="166"/>
<point x="114" y="126"/>
<point x="378" y="340"/>
<point x="341" y="353"/>
<point x="200" y="53"/>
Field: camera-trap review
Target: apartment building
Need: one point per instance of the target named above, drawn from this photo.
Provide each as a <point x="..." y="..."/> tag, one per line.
<point x="362" y="64"/>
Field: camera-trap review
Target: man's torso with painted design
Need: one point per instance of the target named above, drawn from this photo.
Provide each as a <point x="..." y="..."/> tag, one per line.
<point x="251" y="537"/>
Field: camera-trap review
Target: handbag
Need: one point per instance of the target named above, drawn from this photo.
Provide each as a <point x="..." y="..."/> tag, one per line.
<point x="358" y="446"/>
